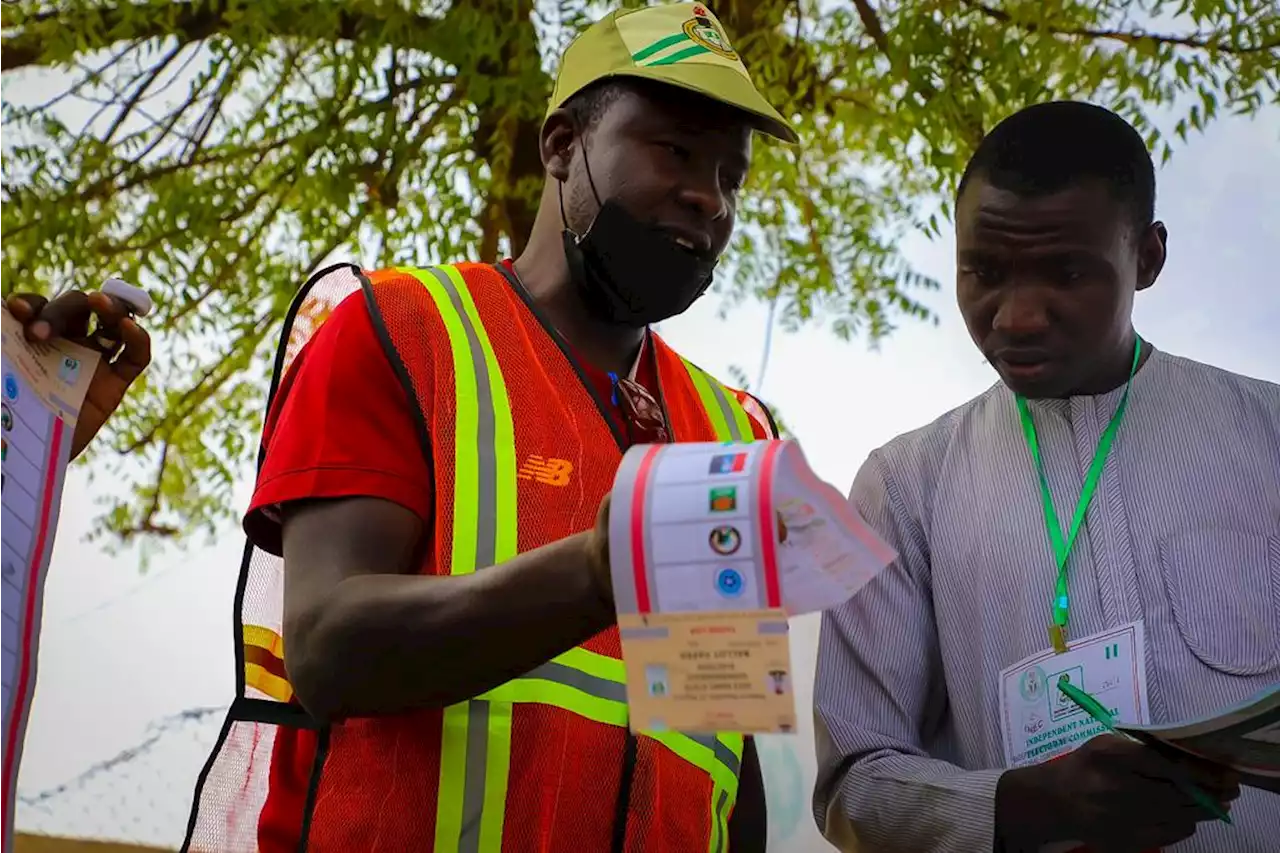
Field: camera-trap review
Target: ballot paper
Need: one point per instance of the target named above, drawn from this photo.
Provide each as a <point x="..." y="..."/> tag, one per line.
<point x="712" y="546"/>
<point x="1245" y="737"/>
<point x="44" y="386"/>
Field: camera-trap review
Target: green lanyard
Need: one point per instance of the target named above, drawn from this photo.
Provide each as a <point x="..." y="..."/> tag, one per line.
<point x="1062" y="546"/>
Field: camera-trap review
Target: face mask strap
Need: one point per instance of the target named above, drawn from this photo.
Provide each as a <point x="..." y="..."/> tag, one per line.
<point x="586" y="164"/>
<point x="564" y="220"/>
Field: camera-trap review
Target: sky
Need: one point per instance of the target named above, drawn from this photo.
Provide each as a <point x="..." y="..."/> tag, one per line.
<point x="128" y="661"/>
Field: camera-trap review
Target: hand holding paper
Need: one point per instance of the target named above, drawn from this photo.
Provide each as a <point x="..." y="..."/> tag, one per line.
<point x="712" y="546"/>
<point x="103" y="322"/>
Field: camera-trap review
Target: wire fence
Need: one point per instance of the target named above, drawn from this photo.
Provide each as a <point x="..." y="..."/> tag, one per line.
<point x="141" y="795"/>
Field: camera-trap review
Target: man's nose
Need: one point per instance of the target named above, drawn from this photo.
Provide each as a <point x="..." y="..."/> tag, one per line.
<point x="705" y="194"/>
<point x="1022" y="313"/>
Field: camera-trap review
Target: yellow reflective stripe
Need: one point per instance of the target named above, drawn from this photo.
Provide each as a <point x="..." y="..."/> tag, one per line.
<point x="729" y="419"/>
<point x="264" y="638"/>
<point x="256" y="675"/>
<point x="272" y="685"/>
<point x="721" y="757"/>
<point x="453" y="773"/>
<point x="466" y="450"/>
<point x="721" y="808"/>
<point x="594" y="664"/>
<point x="733" y="742"/>
<point x="497" y="772"/>
<point x="541" y="692"/>
<point x="501" y="440"/>
<point x="582" y="682"/>
<point x="702" y="384"/>
<point x="476" y="745"/>
<point x="711" y="754"/>
<point x="739" y="414"/>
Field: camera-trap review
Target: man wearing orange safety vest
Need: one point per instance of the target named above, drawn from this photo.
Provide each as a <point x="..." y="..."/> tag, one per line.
<point x="434" y="473"/>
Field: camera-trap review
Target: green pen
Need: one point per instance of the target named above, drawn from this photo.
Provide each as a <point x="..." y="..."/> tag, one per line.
<point x="1095" y="709"/>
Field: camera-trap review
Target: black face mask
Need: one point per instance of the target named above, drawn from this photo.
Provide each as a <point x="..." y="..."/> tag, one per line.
<point x="631" y="273"/>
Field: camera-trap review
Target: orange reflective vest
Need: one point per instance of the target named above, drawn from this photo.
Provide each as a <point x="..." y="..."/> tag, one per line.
<point x="522" y="454"/>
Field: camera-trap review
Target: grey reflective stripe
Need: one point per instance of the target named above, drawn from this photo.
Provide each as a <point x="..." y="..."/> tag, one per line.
<point x="717" y="391"/>
<point x="473" y="784"/>
<point x="722" y="753"/>
<point x="486" y="487"/>
<point x="592" y="685"/>
<point x="721" y="819"/>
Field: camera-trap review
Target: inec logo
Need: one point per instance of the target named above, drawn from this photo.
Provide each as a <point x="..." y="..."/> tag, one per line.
<point x="1031" y="684"/>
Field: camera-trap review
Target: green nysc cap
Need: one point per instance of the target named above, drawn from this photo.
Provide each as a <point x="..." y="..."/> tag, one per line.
<point x="681" y="44"/>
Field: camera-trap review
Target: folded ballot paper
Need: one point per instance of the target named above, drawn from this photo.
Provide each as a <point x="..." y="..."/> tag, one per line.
<point x="1244" y="737"/>
<point x="712" y="547"/>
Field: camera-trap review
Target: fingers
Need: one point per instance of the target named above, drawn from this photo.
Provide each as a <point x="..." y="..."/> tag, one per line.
<point x="110" y="313"/>
<point x="69" y="315"/>
<point x="1214" y="778"/>
<point x="109" y="309"/>
<point x="136" y="355"/>
<point x="24" y="306"/>
<point x="1191" y="781"/>
<point x="66" y="316"/>
<point x="1192" y="771"/>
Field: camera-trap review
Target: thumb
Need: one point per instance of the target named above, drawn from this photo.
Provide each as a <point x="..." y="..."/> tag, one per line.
<point x="598" y="551"/>
<point x="602" y="515"/>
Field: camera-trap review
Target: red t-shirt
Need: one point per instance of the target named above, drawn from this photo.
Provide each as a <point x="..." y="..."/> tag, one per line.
<point x="342" y="426"/>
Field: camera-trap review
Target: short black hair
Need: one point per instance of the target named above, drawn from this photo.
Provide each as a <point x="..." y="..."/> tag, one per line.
<point x="1047" y="147"/>
<point x="588" y="106"/>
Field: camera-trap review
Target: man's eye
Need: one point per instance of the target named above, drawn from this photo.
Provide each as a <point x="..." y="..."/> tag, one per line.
<point x="677" y="149"/>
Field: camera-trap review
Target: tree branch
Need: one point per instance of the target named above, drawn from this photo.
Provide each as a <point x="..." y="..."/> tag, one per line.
<point x="41" y="39"/>
<point x="1196" y="41"/>
<point x="213" y="378"/>
<point x="871" y="22"/>
<point x="147" y="525"/>
<point x="141" y="90"/>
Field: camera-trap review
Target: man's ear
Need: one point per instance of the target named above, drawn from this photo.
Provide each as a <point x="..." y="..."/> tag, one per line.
<point x="1152" y="247"/>
<point x="557" y="141"/>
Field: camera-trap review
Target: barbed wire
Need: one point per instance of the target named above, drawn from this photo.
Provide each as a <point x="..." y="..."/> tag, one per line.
<point x="142" y="794"/>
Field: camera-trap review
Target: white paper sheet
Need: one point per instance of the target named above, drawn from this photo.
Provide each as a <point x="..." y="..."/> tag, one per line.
<point x="42" y="391"/>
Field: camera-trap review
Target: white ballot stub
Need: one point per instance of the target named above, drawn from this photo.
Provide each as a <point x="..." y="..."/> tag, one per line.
<point x="43" y="388"/>
<point x="712" y="546"/>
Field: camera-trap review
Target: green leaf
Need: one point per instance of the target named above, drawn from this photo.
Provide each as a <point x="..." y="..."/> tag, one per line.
<point x="217" y="153"/>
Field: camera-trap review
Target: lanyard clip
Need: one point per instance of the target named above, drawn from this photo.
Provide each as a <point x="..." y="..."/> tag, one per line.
<point x="1058" y="638"/>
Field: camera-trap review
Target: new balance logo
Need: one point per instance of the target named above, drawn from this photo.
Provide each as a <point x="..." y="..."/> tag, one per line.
<point x="550" y="472"/>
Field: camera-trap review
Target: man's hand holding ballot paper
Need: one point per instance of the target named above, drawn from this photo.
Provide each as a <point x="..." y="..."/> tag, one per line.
<point x="62" y="380"/>
<point x="712" y="547"/>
